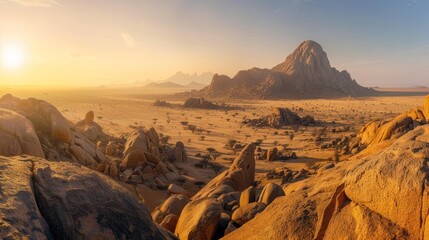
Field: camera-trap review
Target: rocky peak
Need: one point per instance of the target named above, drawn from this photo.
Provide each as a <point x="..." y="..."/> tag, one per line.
<point x="308" y="62"/>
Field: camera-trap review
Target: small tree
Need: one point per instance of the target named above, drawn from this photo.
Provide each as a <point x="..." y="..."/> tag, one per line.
<point x="247" y="136"/>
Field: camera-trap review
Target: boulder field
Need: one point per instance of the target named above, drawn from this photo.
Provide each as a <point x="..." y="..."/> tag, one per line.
<point x="382" y="196"/>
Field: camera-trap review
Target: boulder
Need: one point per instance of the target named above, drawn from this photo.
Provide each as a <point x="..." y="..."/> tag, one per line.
<point x="18" y="136"/>
<point x="134" y="159"/>
<point x="91" y="129"/>
<point x="89" y="117"/>
<point x="170" y="222"/>
<point x="199" y="220"/>
<point x="153" y="137"/>
<point x="238" y="177"/>
<point x="246" y="213"/>
<point x="180" y="152"/>
<point x="175" y="189"/>
<point x="173" y="205"/>
<point x="67" y="201"/>
<point x="248" y="196"/>
<point x="270" y="192"/>
<point x="272" y="154"/>
<point x="136" y="140"/>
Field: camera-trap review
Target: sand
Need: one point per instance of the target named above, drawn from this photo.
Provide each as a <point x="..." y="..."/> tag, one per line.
<point x="118" y="111"/>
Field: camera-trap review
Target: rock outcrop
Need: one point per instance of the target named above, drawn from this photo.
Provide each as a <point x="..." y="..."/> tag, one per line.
<point x="199" y="103"/>
<point x="279" y="118"/>
<point x="59" y="200"/>
<point x="382" y="196"/>
<point x="306" y="73"/>
<point x="240" y="176"/>
<point x="59" y="139"/>
<point x="91" y="129"/>
<point x="377" y="135"/>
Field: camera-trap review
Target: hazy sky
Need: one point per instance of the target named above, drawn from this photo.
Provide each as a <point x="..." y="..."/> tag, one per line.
<point x="73" y="42"/>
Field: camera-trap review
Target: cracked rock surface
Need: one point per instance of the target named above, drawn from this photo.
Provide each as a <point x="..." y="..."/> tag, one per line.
<point x="51" y="200"/>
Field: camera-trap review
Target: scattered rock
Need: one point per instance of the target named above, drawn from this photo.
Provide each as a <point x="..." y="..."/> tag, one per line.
<point x="279" y="118"/>
<point x="199" y="103"/>
<point x="272" y="154"/>
<point x="383" y="190"/>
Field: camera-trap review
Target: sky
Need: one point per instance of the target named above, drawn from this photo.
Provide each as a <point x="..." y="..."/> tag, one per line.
<point x="79" y="42"/>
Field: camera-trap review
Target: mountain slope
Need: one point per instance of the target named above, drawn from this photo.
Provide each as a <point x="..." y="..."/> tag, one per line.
<point x="306" y="73"/>
<point x="185" y="78"/>
<point x="163" y="85"/>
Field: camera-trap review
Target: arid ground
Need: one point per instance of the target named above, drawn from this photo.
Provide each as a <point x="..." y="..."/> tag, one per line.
<point x="118" y="114"/>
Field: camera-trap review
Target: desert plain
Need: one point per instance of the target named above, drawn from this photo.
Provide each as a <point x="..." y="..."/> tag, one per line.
<point x="119" y="111"/>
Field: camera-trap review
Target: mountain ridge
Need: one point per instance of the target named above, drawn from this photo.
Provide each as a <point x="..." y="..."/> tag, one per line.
<point x="305" y="73"/>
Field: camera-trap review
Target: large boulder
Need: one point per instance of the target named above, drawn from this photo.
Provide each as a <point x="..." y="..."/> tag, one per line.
<point x="180" y="152"/>
<point x="198" y="220"/>
<point x="248" y="196"/>
<point x="58" y="200"/>
<point x="134" y="159"/>
<point x="382" y="196"/>
<point x="172" y="206"/>
<point x="136" y="140"/>
<point x="17" y="135"/>
<point x="270" y="192"/>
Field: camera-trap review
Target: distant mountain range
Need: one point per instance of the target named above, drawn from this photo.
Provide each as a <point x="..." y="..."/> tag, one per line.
<point x="186" y="79"/>
<point x="191" y="85"/>
<point x="306" y="73"/>
<point x="180" y="80"/>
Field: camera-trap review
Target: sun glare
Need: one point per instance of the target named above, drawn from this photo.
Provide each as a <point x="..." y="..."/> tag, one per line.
<point x="12" y="56"/>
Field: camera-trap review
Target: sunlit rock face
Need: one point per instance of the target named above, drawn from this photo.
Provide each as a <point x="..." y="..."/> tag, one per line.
<point x="380" y="196"/>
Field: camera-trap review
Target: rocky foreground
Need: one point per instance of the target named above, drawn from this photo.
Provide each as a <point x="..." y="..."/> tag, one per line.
<point x="60" y="180"/>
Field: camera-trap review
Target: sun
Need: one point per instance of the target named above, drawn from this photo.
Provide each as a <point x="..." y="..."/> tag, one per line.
<point x="12" y="56"/>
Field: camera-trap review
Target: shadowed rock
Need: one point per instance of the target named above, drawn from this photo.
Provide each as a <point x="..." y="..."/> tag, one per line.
<point x="198" y="220"/>
<point x="58" y="200"/>
<point x="238" y="177"/>
<point x="246" y="213"/>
